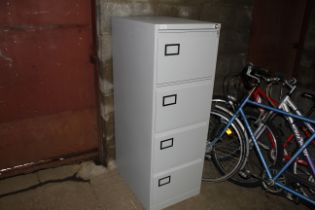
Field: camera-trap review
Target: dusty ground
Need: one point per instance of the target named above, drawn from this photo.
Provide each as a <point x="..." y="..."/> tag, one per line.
<point x="108" y="191"/>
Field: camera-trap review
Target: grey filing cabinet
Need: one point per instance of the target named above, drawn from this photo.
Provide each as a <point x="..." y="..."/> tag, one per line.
<point x="164" y="71"/>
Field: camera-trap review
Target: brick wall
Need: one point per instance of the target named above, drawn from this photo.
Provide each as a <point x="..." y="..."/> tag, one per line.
<point x="235" y="16"/>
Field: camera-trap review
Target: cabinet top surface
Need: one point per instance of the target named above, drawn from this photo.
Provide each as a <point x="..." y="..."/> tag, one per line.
<point x="165" y="23"/>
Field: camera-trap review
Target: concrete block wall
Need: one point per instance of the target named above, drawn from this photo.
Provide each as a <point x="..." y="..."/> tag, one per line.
<point x="235" y="16"/>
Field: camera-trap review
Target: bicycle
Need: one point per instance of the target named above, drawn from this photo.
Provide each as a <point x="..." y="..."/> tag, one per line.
<point x="299" y="165"/>
<point x="270" y="178"/>
<point x="267" y="139"/>
<point x="248" y="175"/>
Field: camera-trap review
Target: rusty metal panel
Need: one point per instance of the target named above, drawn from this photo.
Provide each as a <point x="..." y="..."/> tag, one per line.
<point x="47" y="81"/>
<point x="45" y="137"/>
<point x="45" y="72"/>
<point x="277" y="34"/>
<point x="34" y="12"/>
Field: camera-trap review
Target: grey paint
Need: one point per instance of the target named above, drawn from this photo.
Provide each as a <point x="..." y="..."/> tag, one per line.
<point x="133" y="61"/>
<point x="141" y="119"/>
<point x="191" y="43"/>
<point x="192" y="104"/>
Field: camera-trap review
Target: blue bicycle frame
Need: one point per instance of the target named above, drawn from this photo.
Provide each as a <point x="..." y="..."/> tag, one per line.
<point x="272" y="179"/>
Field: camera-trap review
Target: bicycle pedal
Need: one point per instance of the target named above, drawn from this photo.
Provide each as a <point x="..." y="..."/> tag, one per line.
<point x="245" y="174"/>
<point x="289" y="196"/>
<point x="208" y="157"/>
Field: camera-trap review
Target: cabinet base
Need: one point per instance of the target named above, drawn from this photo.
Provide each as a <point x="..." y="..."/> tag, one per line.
<point x="174" y="200"/>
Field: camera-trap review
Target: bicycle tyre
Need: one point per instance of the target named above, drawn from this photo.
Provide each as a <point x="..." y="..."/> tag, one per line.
<point x="221" y="162"/>
<point x="303" y="172"/>
<point x="272" y="152"/>
<point x="253" y="164"/>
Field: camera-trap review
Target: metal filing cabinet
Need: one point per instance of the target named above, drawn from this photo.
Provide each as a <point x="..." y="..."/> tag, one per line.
<point x="164" y="71"/>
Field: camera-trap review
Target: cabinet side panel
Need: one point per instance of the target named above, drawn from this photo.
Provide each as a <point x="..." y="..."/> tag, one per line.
<point x="133" y="60"/>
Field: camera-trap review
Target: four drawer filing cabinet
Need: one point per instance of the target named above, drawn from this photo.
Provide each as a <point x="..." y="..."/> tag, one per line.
<point x="164" y="72"/>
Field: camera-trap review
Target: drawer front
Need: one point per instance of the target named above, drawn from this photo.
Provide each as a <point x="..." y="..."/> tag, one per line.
<point x="186" y="55"/>
<point x="182" y="105"/>
<point x="179" y="146"/>
<point x="176" y="183"/>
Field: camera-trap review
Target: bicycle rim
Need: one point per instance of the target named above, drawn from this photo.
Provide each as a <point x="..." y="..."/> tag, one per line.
<point x="271" y="147"/>
<point x="226" y="157"/>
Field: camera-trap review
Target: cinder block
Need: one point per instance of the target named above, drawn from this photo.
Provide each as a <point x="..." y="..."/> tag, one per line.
<point x="101" y="97"/>
<point x="232" y="3"/>
<point x="237" y="18"/>
<point x="230" y="64"/>
<point x="104" y="50"/>
<point x="122" y="8"/>
<point x="106" y="111"/>
<point x="234" y="41"/>
<point x="309" y="42"/>
<point x="110" y="148"/>
<point x="191" y="11"/>
<point x="306" y="77"/>
<point x="106" y="77"/>
<point x="218" y="85"/>
<point x="307" y="59"/>
<point x="109" y="101"/>
<point x="105" y="86"/>
<point x="182" y="1"/>
<point x="110" y="127"/>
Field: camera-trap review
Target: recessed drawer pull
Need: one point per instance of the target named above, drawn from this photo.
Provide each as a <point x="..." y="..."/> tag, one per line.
<point x="166" y="143"/>
<point x="164" y="181"/>
<point x="169" y="100"/>
<point x="171" y="49"/>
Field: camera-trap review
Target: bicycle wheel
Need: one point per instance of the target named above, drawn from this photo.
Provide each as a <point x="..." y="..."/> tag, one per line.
<point x="269" y="141"/>
<point x="272" y="151"/>
<point x="226" y="156"/>
<point x="303" y="180"/>
<point x="304" y="173"/>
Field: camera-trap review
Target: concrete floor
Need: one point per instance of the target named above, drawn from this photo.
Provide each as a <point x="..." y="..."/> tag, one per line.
<point x="108" y="191"/>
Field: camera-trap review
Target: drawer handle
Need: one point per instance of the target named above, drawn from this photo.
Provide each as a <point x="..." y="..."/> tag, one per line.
<point x="166" y="143"/>
<point x="164" y="181"/>
<point x="171" y="49"/>
<point x="169" y="100"/>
